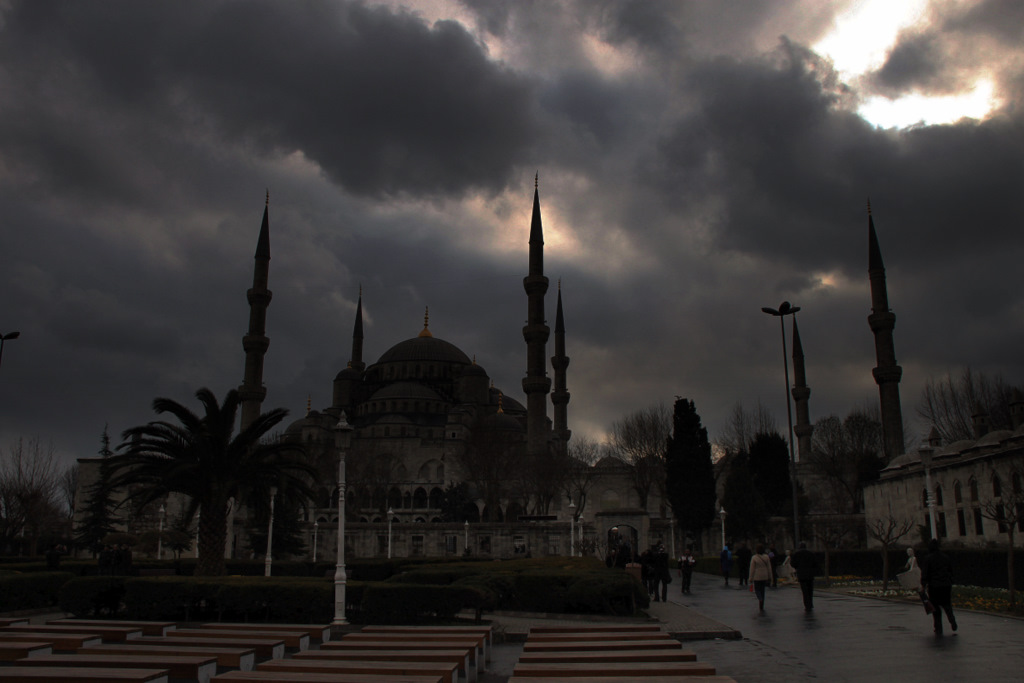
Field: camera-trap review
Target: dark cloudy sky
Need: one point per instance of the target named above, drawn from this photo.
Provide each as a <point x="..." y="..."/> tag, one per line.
<point x="697" y="161"/>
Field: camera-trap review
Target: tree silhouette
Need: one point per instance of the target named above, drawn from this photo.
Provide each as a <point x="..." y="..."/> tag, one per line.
<point x="202" y="458"/>
<point x="99" y="516"/>
<point x="690" y="477"/>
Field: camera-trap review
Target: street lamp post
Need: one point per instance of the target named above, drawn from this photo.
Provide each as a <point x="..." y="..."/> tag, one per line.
<point x="316" y="528"/>
<point x="581" y="537"/>
<point x="343" y="433"/>
<point x="572" y="523"/>
<point x="5" y="337"/>
<point x="160" y="535"/>
<point x="199" y="511"/>
<point x="722" y="513"/>
<point x="672" y="532"/>
<point x="391" y="515"/>
<point x="270" y="535"/>
<point x="926" y="460"/>
<point x="465" y="542"/>
<point x="785" y="308"/>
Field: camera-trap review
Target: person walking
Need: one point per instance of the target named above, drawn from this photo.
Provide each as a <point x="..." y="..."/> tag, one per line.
<point x="937" y="580"/>
<point x="760" y="574"/>
<point x="660" y="576"/>
<point x="805" y="565"/>
<point x="743" y="556"/>
<point x="726" y="562"/>
<point x="686" y="564"/>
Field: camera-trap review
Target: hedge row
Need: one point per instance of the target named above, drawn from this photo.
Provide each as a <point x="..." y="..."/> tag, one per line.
<point x="30" y="591"/>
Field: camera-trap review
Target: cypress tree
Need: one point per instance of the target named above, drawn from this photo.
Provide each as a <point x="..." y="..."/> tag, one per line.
<point x="689" y="471"/>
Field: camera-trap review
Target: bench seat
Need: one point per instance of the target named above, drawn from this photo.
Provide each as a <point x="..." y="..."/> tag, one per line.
<point x="317" y="633"/>
<point x="446" y="670"/>
<point x="291" y="639"/>
<point x="110" y="634"/>
<point x="608" y="656"/>
<point x="474" y="641"/>
<point x="485" y="631"/>
<point x="66" y="642"/>
<point x="600" y="670"/>
<point x="460" y="658"/>
<point x="13" y="651"/>
<point x="293" y="677"/>
<point x="596" y="635"/>
<point x="148" y="628"/>
<point x="264" y="648"/>
<point x="63" y="674"/>
<point x="595" y="628"/>
<point x="597" y="645"/>
<point x="193" y="667"/>
<point x="227" y="657"/>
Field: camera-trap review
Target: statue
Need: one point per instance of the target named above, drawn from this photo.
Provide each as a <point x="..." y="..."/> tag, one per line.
<point x="910" y="577"/>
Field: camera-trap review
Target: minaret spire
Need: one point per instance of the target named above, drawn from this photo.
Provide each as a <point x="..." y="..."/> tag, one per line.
<point x="560" y="395"/>
<point x="357" y="336"/>
<point x="536" y="384"/>
<point x="255" y="343"/>
<point x="801" y="393"/>
<point x="887" y="373"/>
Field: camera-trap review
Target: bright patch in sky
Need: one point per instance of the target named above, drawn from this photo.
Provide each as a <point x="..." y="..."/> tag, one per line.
<point x="858" y="44"/>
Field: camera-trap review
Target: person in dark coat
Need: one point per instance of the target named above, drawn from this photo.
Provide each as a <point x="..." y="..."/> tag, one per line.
<point x="686" y="564"/>
<point x="726" y="562"/>
<point x="660" y="577"/>
<point x="937" y="580"/>
<point x="805" y="565"/>
<point x="743" y="556"/>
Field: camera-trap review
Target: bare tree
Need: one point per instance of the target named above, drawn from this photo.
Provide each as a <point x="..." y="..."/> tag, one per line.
<point x="845" y="455"/>
<point x="68" y="487"/>
<point x="639" y="440"/>
<point x="744" y="426"/>
<point x="888" y="530"/>
<point x="950" y="403"/>
<point x="30" y="487"/>
<point x="1006" y="507"/>
<point x="584" y="453"/>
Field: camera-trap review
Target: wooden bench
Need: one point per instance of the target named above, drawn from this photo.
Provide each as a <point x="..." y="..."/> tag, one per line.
<point x="293" y="677"/>
<point x="486" y="631"/>
<point x="192" y="667"/>
<point x="110" y="634"/>
<point x="626" y="679"/>
<point x="475" y="641"/>
<point x="316" y="632"/>
<point x="597" y="645"/>
<point x="148" y="628"/>
<point x="13" y="651"/>
<point x="595" y="628"/>
<point x="64" y="674"/>
<point x="227" y="657"/>
<point x="635" y="670"/>
<point x="60" y="642"/>
<point x="460" y="657"/>
<point x="263" y="648"/>
<point x="291" y="639"/>
<point x="446" y="670"/>
<point x="609" y="656"/>
<point x="603" y="635"/>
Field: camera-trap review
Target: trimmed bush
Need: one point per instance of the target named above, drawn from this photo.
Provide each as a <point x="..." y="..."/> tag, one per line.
<point x="393" y="603"/>
<point x="28" y="591"/>
<point x="87" y="596"/>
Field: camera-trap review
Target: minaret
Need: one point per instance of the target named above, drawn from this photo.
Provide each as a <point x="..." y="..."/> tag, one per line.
<point x="536" y="384"/>
<point x="255" y="343"/>
<point x="560" y="395"/>
<point x="357" y="337"/>
<point x="801" y="392"/>
<point x="887" y="373"/>
<point x="347" y="381"/>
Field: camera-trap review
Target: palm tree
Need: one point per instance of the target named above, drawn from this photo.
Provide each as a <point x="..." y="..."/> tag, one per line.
<point x="204" y="459"/>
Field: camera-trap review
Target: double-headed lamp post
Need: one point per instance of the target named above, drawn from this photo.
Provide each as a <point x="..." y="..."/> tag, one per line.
<point x="5" y="337"/>
<point x="785" y="308"/>
<point x="572" y="523"/>
<point x="270" y="535"/>
<point x="926" y="460"/>
<point x="160" y="535"/>
<point x="391" y="516"/>
<point x="343" y="433"/>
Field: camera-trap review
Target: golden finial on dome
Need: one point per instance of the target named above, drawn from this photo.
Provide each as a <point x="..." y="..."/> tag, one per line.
<point x="501" y="407"/>
<point x="536" y="180"/>
<point x="426" y="324"/>
<point x="268" y="196"/>
<point x="309" y="403"/>
<point x="869" y="206"/>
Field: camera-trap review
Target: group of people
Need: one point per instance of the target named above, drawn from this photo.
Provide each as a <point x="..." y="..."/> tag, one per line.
<point x="654" y="572"/>
<point x="762" y="568"/>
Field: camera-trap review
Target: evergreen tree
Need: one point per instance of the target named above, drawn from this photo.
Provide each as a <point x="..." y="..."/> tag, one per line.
<point x="289" y="530"/>
<point x="98" y="517"/>
<point x="690" y="477"/>
<point x="742" y="500"/>
<point x="769" y="467"/>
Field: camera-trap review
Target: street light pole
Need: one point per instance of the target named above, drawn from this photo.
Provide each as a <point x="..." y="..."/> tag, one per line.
<point x="572" y="523"/>
<point x="785" y="308"/>
<point x="343" y="432"/>
<point x="929" y="497"/>
<point x="465" y="542"/>
<point x="270" y="535"/>
<point x="722" y="513"/>
<point x="391" y="515"/>
<point x="316" y="528"/>
<point x="5" y="337"/>
<point x="160" y="535"/>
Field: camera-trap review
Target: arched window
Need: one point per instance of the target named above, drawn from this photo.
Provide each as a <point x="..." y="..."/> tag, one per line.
<point x="436" y="498"/>
<point x="997" y="486"/>
<point x="958" y="494"/>
<point x="1015" y="483"/>
<point x="938" y="496"/>
<point x="419" y="499"/>
<point x="394" y="498"/>
<point x="407" y="500"/>
<point x="973" y="486"/>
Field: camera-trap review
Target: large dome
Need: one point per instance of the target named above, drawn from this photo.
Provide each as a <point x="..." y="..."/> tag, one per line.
<point x="429" y="349"/>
